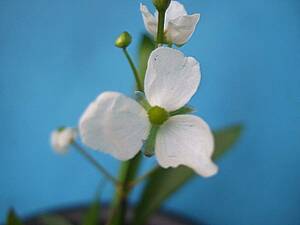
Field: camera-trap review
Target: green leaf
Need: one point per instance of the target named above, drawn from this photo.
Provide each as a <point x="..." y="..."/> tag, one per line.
<point x="54" y="220"/>
<point x="146" y="46"/>
<point x="225" y="138"/>
<point x="12" y="218"/>
<point x="93" y="214"/>
<point x="164" y="182"/>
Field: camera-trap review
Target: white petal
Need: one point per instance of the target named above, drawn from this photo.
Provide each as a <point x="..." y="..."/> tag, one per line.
<point x="181" y="29"/>
<point x="115" y="124"/>
<point x="60" y="140"/>
<point x="171" y="78"/>
<point x="175" y="10"/>
<point x="150" y="21"/>
<point x="186" y="140"/>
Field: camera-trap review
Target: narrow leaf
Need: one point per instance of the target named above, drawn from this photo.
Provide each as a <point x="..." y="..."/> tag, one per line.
<point x="225" y="138"/>
<point x="146" y="46"/>
<point x="93" y="214"/>
<point x="164" y="182"/>
<point x="12" y="218"/>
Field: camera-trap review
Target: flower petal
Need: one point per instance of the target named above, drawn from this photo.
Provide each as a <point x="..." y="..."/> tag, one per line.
<point x="181" y="29"/>
<point x="115" y="124"/>
<point x="175" y="10"/>
<point x="171" y="78"/>
<point x="150" y="21"/>
<point x="186" y="140"/>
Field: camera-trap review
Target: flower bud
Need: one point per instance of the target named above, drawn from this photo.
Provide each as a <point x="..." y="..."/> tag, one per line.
<point x="124" y="40"/>
<point x="161" y="5"/>
<point x="62" y="138"/>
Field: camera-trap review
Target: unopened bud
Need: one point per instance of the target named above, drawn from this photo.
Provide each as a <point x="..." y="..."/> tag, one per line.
<point x="124" y="40"/>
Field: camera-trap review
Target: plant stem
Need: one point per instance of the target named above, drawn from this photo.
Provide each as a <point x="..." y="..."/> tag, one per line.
<point x="137" y="77"/>
<point x="161" y="27"/>
<point x="96" y="164"/>
<point x="127" y="173"/>
<point x="149" y="145"/>
<point x="143" y="177"/>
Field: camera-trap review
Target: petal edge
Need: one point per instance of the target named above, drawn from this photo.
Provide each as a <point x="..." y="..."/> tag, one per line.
<point x="186" y="140"/>
<point x="181" y="29"/>
<point x="150" y="21"/>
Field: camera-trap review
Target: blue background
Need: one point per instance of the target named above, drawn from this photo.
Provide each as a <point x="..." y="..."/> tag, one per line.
<point x="57" y="56"/>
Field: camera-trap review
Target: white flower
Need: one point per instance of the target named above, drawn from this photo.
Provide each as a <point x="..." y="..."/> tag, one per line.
<point x="62" y="138"/>
<point x="179" y="26"/>
<point x="119" y="125"/>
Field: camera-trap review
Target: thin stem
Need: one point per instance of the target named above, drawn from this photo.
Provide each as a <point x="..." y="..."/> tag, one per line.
<point x="150" y="142"/>
<point x="161" y="27"/>
<point x="137" y="77"/>
<point x="143" y="177"/>
<point x="94" y="162"/>
<point x="119" y="206"/>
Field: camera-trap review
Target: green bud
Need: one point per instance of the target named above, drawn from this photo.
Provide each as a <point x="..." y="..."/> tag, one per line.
<point x="124" y="40"/>
<point x="161" y="5"/>
<point x="158" y="115"/>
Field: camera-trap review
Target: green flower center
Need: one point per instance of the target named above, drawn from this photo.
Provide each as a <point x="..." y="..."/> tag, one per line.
<point x="158" y="115"/>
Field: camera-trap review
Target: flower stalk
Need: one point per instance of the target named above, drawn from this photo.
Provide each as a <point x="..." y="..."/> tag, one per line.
<point x="161" y="27"/>
<point x="150" y="143"/>
<point x="96" y="164"/>
<point x="139" y="83"/>
<point x="143" y="177"/>
<point x="161" y="7"/>
<point x="127" y="174"/>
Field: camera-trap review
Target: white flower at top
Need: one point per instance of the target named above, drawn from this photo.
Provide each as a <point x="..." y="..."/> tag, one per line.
<point x="179" y="26"/>
<point x="62" y="138"/>
<point x="119" y="125"/>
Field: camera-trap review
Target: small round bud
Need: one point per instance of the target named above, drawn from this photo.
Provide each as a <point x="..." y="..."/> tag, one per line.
<point x="161" y="5"/>
<point x="158" y="115"/>
<point x="62" y="138"/>
<point x="124" y="40"/>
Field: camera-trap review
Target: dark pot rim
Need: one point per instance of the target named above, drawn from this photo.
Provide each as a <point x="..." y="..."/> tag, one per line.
<point x="67" y="210"/>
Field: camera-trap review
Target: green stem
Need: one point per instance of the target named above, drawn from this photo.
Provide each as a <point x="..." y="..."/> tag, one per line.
<point x="143" y="177"/>
<point x="137" y="77"/>
<point x="150" y="143"/>
<point x="161" y="27"/>
<point x="94" y="162"/>
<point x="119" y="206"/>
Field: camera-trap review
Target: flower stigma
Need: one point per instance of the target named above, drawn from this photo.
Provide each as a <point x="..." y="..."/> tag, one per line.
<point x="157" y="115"/>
